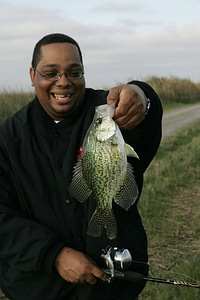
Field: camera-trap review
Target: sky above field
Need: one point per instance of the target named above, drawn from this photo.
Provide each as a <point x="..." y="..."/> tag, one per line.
<point x="120" y="40"/>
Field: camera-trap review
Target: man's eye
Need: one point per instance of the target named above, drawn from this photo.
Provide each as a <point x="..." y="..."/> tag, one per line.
<point x="50" y="74"/>
<point x="75" y="73"/>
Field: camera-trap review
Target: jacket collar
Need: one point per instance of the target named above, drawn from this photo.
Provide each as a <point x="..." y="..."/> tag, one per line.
<point x="42" y="118"/>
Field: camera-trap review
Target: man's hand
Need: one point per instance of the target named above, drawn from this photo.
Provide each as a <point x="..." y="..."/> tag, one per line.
<point x="75" y="267"/>
<point x="131" y="104"/>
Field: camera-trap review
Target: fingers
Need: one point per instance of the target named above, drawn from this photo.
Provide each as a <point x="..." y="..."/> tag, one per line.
<point x="130" y="103"/>
<point x="92" y="277"/>
<point x="113" y="95"/>
<point x="128" y="117"/>
<point x="75" y="267"/>
<point x="98" y="273"/>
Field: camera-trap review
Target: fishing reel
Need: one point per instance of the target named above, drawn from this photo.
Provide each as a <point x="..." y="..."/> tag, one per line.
<point x="116" y="260"/>
<point x="117" y="263"/>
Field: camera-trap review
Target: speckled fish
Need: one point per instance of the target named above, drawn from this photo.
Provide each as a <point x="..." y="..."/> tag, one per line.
<point x="103" y="171"/>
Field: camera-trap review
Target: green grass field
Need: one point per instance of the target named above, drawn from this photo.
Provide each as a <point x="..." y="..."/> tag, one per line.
<point x="170" y="209"/>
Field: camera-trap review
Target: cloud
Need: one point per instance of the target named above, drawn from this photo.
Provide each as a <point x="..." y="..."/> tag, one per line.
<point x="165" y="53"/>
<point x="112" y="53"/>
<point x="113" y="6"/>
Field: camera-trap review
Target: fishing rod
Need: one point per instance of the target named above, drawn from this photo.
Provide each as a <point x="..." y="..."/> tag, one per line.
<point x="118" y="261"/>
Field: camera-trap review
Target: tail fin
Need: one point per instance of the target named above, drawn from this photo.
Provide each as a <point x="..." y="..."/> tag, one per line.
<point x="100" y="220"/>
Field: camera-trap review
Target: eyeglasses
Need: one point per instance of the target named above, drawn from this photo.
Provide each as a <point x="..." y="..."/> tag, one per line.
<point x="55" y="76"/>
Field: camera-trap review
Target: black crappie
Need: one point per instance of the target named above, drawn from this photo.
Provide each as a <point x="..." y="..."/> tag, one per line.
<point x="104" y="171"/>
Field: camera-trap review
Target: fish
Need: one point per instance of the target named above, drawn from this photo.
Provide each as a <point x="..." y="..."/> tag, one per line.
<point x="103" y="170"/>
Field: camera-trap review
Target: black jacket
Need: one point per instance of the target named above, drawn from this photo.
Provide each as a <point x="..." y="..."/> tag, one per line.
<point x="37" y="215"/>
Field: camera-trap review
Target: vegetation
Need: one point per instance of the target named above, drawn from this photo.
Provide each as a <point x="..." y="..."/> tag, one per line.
<point x="170" y="209"/>
<point x="10" y="102"/>
<point x="175" y="90"/>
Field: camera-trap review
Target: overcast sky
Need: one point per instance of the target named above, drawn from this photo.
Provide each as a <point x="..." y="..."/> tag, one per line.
<point x="120" y="40"/>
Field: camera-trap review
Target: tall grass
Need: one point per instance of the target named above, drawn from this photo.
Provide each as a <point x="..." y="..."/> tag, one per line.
<point x="170" y="209"/>
<point x="175" y="90"/>
<point x="10" y="102"/>
<point x="172" y="91"/>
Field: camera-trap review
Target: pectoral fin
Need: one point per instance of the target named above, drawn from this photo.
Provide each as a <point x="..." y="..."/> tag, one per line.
<point x="78" y="187"/>
<point x="130" y="151"/>
<point x="128" y="192"/>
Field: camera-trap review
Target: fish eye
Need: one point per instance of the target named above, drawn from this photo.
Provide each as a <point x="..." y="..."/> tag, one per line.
<point x="98" y="121"/>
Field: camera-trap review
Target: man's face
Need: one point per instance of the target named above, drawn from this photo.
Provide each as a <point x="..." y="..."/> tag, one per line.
<point x="62" y="97"/>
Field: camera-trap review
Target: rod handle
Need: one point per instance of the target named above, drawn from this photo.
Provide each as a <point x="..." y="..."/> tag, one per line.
<point x="129" y="276"/>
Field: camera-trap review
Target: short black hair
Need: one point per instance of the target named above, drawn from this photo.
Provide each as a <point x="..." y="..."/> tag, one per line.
<point x="52" y="39"/>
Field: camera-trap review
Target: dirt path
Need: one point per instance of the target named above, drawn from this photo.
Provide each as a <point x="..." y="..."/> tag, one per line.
<point x="174" y="120"/>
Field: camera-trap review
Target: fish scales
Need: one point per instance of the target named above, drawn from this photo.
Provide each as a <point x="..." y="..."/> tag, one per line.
<point x="103" y="171"/>
<point x="103" y="176"/>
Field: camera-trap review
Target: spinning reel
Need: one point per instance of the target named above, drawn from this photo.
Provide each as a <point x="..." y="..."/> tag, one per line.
<point x="118" y="262"/>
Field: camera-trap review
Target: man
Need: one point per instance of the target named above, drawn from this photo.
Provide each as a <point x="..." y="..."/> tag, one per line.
<point x="45" y="252"/>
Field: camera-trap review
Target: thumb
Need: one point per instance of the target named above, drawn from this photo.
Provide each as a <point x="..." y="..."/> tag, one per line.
<point x="113" y="96"/>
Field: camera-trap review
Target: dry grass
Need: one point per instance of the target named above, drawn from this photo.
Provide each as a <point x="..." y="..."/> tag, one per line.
<point x="175" y="90"/>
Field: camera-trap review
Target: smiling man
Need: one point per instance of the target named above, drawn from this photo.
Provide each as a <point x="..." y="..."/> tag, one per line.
<point x="45" y="250"/>
<point x="58" y="79"/>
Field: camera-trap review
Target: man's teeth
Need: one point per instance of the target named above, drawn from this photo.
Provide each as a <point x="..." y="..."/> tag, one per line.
<point x="57" y="96"/>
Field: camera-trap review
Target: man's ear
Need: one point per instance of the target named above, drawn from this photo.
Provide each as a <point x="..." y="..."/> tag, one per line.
<point x="32" y="76"/>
